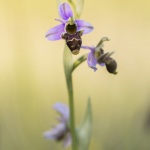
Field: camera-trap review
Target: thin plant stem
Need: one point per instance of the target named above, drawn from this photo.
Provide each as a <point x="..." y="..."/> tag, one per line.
<point x="72" y="115"/>
<point x="68" y="74"/>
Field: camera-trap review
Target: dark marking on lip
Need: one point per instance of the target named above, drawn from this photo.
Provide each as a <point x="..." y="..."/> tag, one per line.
<point x="73" y="41"/>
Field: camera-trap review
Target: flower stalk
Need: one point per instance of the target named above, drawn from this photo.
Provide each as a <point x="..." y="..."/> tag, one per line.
<point x="79" y="61"/>
<point x="68" y="65"/>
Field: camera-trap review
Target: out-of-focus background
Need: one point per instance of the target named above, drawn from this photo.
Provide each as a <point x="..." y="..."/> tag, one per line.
<point x="32" y="77"/>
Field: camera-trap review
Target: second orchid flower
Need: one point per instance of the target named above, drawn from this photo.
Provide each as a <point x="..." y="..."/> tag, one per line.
<point x="97" y="56"/>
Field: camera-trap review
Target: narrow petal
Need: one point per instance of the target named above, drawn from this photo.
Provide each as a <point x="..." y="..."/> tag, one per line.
<point x="62" y="109"/>
<point x="83" y="25"/>
<point x="61" y="20"/>
<point x="67" y="140"/>
<point x="65" y="11"/>
<point x="55" y="32"/>
<point x="56" y="133"/>
<point x="91" y="60"/>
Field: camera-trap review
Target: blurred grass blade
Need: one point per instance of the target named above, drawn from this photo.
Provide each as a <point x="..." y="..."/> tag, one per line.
<point x="85" y="130"/>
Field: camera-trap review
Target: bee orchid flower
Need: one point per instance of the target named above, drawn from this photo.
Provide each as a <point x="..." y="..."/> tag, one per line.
<point x="60" y="132"/>
<point x="69" y="29"/>
<point x="97" y="56"/>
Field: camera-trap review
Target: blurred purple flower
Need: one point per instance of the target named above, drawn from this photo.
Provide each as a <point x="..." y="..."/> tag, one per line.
<point x="66" y="13"/>
<point x="97" y="56"/>
<point x="60" y="132"/>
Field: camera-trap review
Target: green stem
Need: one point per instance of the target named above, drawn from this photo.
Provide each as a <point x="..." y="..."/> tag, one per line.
<point x="79" y="61"/>
<point x="72" y="115"/>
<point x="68" y="74"/>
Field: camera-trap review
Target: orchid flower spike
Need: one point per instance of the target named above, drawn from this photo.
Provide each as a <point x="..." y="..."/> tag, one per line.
<point x="70" y="29"/>
<point x="97" y="56"/>
<point x="61" y="131"/>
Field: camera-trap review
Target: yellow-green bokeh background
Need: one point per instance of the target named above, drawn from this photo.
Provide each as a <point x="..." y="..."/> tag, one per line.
<point x="32" y="77"/>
